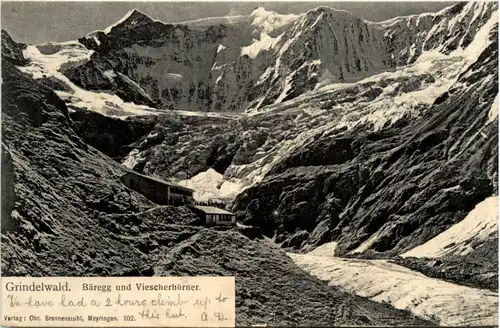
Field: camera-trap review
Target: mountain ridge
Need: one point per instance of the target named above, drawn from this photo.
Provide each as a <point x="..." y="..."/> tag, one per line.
<point x="227" y="80"/>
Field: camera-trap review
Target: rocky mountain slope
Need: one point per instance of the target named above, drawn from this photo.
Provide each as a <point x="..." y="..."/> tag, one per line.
<point x="111" y="136"/>
<point x="66" y="213"/>
<point x="393" y="189"/>
<point x="43" y="159"/>
<point x="379" y="165"/>
<point x="465" y="253"/>
<point x="13" y="50"/>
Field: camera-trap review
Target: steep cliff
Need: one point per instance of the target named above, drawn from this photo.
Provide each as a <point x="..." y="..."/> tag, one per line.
<point x="13" y="51"/>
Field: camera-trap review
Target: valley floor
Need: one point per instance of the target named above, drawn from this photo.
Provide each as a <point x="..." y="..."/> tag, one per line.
<point x="385" y="282"/>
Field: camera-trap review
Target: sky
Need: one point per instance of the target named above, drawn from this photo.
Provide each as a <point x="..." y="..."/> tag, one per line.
<point x="43" y="21"/>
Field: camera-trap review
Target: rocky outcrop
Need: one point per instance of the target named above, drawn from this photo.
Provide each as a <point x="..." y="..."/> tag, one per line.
<point x="55" y="84"/>
<point x="390" y="190"/>
<point x="12" y="51"/>
<point x="478" y="269"/>
<point x="182" y="146"/>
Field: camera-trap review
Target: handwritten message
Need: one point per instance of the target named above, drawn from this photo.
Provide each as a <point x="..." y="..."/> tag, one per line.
<point x="118" y="302"/>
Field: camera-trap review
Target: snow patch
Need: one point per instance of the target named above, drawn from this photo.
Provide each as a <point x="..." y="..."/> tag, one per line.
<point x="226" y="115"/>
<point x="391" y="106"/>
<point x="286" y="89"/>
<point x="209" y="21"/>
<point x="70" y="53"/>
<point x="132" y="159"/>
<point x="477" y="226"/>
<point x="265" y="43"/>
<point x="74" y="53"/>
<point x="220" y="48"/>
<point x="217" y="68"/>
<point x="493" y="113"/>
<point x="264" y="76"/>
<point x="268" y="21"/>
<point x="366" y="245"/>
<point x="110" y="74"/>
<point x="481" y="39"/>
<point x="136" y="86"/>
<point x="210" y="185"/>
<point x="327" y="249"/>
<point x="316" y="62"/>
<point x="219" y="79"/>
<point x="174" y="77"/>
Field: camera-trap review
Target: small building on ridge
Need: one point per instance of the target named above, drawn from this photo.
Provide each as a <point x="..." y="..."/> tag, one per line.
<point x="214" y="215"/>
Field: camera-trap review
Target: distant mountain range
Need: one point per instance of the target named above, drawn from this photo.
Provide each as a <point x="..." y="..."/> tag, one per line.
<point x="243" y="63"/>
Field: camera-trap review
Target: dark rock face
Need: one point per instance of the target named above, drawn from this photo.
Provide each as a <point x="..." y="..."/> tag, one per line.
<point x="90" y="77"/>
<point x="188" y="145"/>
<point x="110" y="135"/>
<point x="401" y="185"/>
<point x="324" y="152"/>
<point x="12" y="51"/>
<point x="48" y="48"/>
<point x="296" y="240"/>
<point x="55" y="84"/>
<point x="295" y="297"/>
<point x="8" y="193"/>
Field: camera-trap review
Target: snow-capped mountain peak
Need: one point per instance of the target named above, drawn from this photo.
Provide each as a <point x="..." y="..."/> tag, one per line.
<point x="266" y="21"/>
<point x="132" y="17"/>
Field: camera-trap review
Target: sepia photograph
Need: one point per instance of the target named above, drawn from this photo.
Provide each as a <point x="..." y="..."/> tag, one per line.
<point x="218" y="164"/>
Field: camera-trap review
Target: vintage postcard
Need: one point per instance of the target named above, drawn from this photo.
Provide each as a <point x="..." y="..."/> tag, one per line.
<point x="220" y="164"/>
